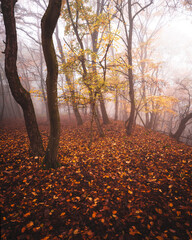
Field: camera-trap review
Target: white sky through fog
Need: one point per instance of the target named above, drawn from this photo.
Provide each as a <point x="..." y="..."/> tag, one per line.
<point x="175" y="47"/>
<point x="174" y="44"/>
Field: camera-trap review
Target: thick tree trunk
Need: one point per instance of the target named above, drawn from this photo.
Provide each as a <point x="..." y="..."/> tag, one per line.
<point x="48" y="25"/>
<point x="181" y="127"/>
<point x="21" y="96"/>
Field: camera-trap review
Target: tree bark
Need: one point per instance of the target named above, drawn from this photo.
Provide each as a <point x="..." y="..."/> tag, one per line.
<point x="21" y="96"/>
<point x="92" y="95"/>
<point x="116" y="105"/>
<point x="129" y="126"/>
<point x="103" y="109"/>
<point x="69" y="83"/>
<point x="181" y="127"/>
<point x="94" y="37"/>
<point x="43" y="84"/>
<point x="48" y="24"/>
<point x="94" y="114"/>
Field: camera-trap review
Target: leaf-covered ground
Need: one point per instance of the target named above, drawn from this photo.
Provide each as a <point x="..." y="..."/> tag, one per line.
<point x="137" y="187"/>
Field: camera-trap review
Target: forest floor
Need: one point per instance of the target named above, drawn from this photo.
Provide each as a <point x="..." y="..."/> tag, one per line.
<point x="137" y="187"/>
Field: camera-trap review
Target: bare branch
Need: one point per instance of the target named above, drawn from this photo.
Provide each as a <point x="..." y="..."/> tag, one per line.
<point x="29" y="35"/>
<point x="142" y="9"/>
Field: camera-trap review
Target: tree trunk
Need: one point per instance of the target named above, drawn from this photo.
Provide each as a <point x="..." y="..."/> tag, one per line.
<point x="94" y="114"/>
<point x="129" y="126"/>
<point x="103" y="109"/>
<point x="68" y="80"/>
<point x="116" y="105"/>
<point x="181" y="127"/>
<point x="69" y="111"/>
<point x="94" y="37"/>
<point x="48" y="24"/>
<point x="21" y="96"/>
<point x="3" y="99"/>
<point x="43" y="85"/>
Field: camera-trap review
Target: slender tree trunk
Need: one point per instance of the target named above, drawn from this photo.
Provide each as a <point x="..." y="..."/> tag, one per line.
<point x="43" y="85"/>
<point x="74" y="104"/>
<point x="21" y="96"/>
<point x="103" y="109"/>
<point x="163" y="121"/>
<point x="116" y="105"/>
<point x="85" y="110"/>
<point x="94" y="37"/>
<point x="129" y="126"/>
<point x="144" y="98"/>
<point x="3" y="98"/>
<point x="69" y="83"/>
<point x="48" y="25"/>
<point x="94" y="114"/>
<point x="69" y="111"/>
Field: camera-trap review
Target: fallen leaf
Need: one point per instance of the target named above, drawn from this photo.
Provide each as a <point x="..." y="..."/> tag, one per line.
<point x="94" y="214"/>
<point x="30" y="224"/>
<point x="45" y="238"/>
<point x="160" y="238"/>
<point x="62" y="214"/>
<point x="158" y="210"/>
<point x="76" y="231"/>
<point x="27" y="214"/>
<point x="23" y="229"/>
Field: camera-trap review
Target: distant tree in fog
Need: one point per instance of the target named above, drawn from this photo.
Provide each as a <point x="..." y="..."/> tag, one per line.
<point x="184" y="107"/>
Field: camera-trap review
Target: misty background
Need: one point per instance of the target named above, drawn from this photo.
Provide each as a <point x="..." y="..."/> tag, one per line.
<point x="167" y="32"/>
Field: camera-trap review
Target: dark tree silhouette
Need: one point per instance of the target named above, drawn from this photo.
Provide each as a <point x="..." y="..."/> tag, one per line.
<point x="182" y="126"/>
<point x="20" y="94"/>
<point x="48" y="24"/>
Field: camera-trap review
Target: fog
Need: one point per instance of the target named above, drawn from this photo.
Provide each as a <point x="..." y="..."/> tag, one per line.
<point x="172" y="50"/>
<point x="174" y="47"/>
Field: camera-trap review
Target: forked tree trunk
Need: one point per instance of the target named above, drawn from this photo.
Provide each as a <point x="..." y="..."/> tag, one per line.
<point x="48" y="25"/>
<point x="21" y="96"/>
